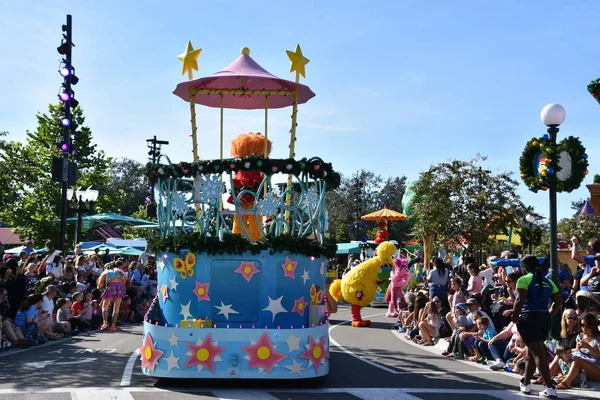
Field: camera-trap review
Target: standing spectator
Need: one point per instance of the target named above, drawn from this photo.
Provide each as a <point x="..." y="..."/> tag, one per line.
<point x="532" y="317"/>
<point x="106" y="258"/>
<point x="438" y="278"/>
<point x="143" y="258"/>
<point x="28" y="249"/>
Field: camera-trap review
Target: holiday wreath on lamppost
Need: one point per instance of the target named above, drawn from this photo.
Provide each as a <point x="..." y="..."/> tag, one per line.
<point x="594" y="89"/>
<point x="541" y="158"/>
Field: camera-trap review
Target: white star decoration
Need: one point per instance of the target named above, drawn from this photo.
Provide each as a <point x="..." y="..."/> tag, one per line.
<point x="173" y="339"/>
<point x="293" y="343"/>
<point x="275" y="306"/>
<point x="295" y="368"/>
<point x="185" y="310"/>
<point x="226" y="310"/>
<point x="172" y="362"/>
<point x="173" y="283"/>
<point x="322" y="270"/>
<point x="161" y="264"/>
<point x="305" y="276"/>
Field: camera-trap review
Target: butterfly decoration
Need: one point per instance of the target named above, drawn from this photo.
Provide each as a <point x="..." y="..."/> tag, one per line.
<point x="185" y="267"/>
<point x="316" y="296"/>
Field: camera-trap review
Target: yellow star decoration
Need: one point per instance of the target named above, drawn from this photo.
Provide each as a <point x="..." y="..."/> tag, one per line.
<point x="298" y="61"/>
<point x="189" y="59"/>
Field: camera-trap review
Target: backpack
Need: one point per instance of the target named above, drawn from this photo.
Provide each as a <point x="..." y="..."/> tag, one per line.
<point x="445" y="330"/>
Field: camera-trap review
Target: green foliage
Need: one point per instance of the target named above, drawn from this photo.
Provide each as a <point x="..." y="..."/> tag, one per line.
<point x="346" y="204"/>
<point x="135" y="233"/>
<point x="597" y="178"/>
<point x="30" y="200"/>
<point x="584" y="226"/>
<point x="126" y="186"/>
<point x="460" y="203"/>
<point x="235" y="244"/>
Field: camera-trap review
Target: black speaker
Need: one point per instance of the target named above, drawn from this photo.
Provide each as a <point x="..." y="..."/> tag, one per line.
<point x="72" y="173"/>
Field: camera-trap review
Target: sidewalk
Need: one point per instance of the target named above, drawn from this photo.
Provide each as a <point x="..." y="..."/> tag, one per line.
<point x="441" y="345"/>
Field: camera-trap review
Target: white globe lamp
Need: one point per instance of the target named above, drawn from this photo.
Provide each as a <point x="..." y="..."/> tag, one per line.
<point x="553" y="115"/>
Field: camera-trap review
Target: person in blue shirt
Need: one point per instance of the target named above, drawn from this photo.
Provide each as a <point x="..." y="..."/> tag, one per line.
<point x="593" y="248"/>
<point x="533" y="320"/>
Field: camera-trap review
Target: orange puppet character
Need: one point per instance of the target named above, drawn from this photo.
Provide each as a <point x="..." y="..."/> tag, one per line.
<point x="243" y="146"/>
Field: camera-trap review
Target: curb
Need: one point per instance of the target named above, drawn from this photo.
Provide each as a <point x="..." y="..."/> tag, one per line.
<point x="49" y="343"/>
<point x="439" y="347"/>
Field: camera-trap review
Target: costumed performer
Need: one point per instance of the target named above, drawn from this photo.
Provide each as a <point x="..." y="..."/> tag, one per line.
<point x="382" y="232"/>
<point x="358" y="286"/>
<point x="248" y="145"/>
<point x="113" y="280"/>
<point x="399" y="279"/>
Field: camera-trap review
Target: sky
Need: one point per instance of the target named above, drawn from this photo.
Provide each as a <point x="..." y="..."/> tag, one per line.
<point x="400" y="86"/>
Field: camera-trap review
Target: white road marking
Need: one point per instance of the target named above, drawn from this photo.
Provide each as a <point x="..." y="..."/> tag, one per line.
<point x="128" y="371"/>
<point x="96" y="393"/>
<point x="42" y="364"/>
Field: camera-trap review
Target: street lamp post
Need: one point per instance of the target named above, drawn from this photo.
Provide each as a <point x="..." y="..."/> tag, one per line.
<point x="359" y="186"/>
<point x="552" y="116"/>
<point x="85" y="202"/>
<point x="531" y="219"/>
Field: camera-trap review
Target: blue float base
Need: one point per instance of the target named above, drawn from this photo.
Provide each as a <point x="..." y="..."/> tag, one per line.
<point x="242" y="353"/>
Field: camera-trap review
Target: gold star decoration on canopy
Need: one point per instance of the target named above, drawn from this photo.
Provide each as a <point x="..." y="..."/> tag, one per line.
<point x="298" y="61"/>
<point x="189" y="59"/>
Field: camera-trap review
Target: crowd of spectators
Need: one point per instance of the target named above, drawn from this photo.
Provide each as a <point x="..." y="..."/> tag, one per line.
<point x="471" y="307"/>
<point x="48" y="295"/>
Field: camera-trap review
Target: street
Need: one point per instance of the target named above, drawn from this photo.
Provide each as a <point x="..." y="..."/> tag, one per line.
<point x="366" y="363"/>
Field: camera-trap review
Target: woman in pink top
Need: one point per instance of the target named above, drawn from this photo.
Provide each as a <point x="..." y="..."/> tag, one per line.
<point x="498" y="346"/>
<point x="475" y="281"/>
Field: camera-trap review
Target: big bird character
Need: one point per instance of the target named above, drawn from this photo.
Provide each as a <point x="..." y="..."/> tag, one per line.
<point x="248" y="145"/>
<point x="358" y="286"/>
<point x="399" y="279"/>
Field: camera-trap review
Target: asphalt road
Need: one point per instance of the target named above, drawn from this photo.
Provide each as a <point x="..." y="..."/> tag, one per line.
<point x="366" y="363"/>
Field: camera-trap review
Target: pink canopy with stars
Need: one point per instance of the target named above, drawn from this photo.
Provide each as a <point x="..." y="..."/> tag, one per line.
<point x="251" y="83"/>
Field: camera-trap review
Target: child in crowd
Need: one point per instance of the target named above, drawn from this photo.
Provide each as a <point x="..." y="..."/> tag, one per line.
<point x="79" y="310"/>
<point x="485" y="333"/>
<point x="406" y="316"/>
<point x="459" y="320"/>
<point x="565" y="359"/>
<point x="457" y="296"/>
<point x="475" y="281"/>
<point x="64" y="314"/>
<point x="125" y="313"/>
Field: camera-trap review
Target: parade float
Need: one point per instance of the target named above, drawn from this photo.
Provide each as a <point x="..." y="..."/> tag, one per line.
<point x="241" y="286"/>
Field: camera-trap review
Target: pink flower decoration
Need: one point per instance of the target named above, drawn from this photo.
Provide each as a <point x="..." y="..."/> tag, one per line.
<point x="300" y="306"/>
<point x="204" y="354"/>
<point x="315" y="352"/>
<point x="201" y="291"/>
<point x="150" y="355"/>
<point x="247" y="270"/>
<point x="262" y="354"/>
<point x="289" y="267"/>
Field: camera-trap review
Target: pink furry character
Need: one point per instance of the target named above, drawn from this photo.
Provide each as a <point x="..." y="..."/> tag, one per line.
<point x="399" y="279"/>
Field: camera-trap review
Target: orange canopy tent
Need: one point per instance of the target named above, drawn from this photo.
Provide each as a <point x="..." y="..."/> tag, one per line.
<point x="384" y="214"/>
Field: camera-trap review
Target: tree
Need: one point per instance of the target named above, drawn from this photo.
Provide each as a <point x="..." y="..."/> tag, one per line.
<point x="135" y="233"/>
<point x="31" y="200"/>
<point x="127" y="186"/>
<point x="464" y="205"/>
<point x="362" y="194"/>
<point x="577" y="205"/>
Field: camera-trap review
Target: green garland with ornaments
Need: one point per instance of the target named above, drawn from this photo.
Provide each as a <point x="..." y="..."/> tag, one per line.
<point x="538" y="178"/>
<point x="314" y="167"/>
<point x="594" y="89"/>
<point x="235" y="244"/>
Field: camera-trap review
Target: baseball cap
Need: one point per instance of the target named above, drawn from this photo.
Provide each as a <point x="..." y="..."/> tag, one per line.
<point x="472" y="301"/>
<point x="462" y="307"/>
<point x="6" y="257"/>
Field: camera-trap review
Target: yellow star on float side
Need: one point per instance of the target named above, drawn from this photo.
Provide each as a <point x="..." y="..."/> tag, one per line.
<point x="298" y="61"/>
<point x="189" y="59"/>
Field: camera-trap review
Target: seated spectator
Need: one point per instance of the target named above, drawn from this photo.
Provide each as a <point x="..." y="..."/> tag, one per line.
<point x="456" y="297"/>
<point x="7" y="327"/>
<point x="569" y="329"/>
<point x="499" y="348"/>
<point x="587" y="353"/>
<point x="34" y="324"/>
<point x="485" y="333"/>
<point x="475" y="281"/>
<point x="429" y="328"/>
<point x="64" y="315"/>
<point x="459" y="318"/>
<point x="78" y="310"/>
<point x="93" y="320"/>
